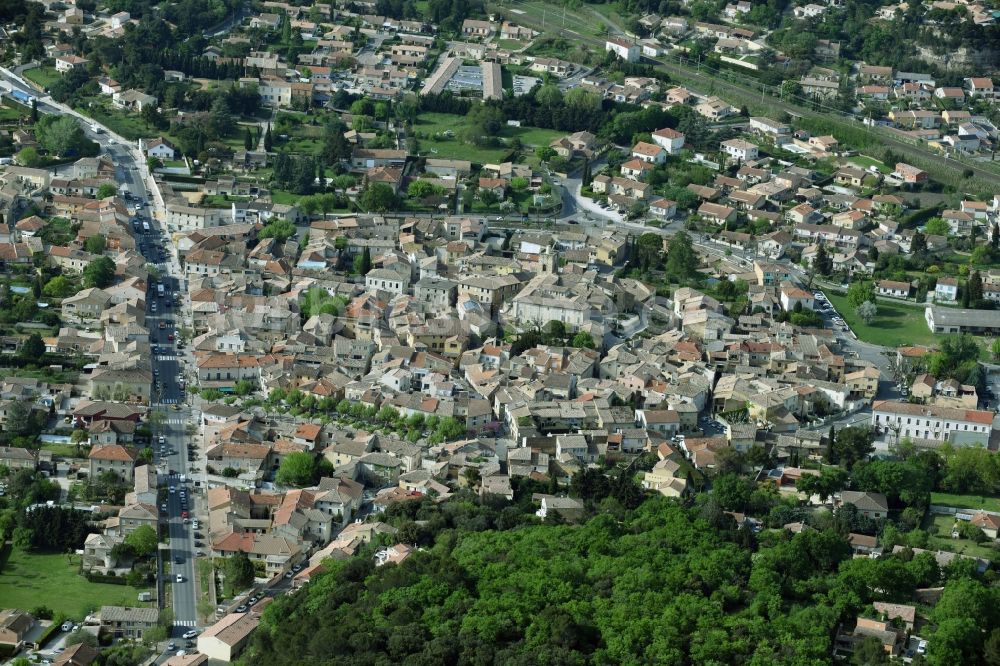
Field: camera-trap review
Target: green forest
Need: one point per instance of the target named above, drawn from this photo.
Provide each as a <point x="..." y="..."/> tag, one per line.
<point x="663" y="584"/>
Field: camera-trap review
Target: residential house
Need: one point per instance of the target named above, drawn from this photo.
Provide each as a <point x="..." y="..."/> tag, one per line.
<point x="14" y="628"/>
<point x="649" y="152"/>
<point x="126" y="622"/>
<point x="68" y="63"/>
<point x="946" y="290"/>
<point x="226" y="640"/>
<point x="910" y="174"/>
<point x="869" y="505"/>
<point x="17" y="458"/>
<point x="717" y="213"/>
<point x="113" y="458"/>
<point x="160" y="148"/>
<point x="739" y="150"/>
<point x="669" y="139"/>
<point x="624" y="49"/>
<point x="894" y="288"/>
<point x="567" y="508"/>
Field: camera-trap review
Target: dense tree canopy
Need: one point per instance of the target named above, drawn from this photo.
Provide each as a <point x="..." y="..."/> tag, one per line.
<point x="660" y="586"/>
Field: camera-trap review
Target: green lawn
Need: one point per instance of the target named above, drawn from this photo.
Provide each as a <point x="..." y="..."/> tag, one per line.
<point x="129" y="126"/>
<point x="220" y="200"/>
<point x="34" y="580"/>
<point x="511" y="44"/>
<point x="43" y="76"/>
<point x="434" y="141"/>
<point x="64" y="450"/>
<point x="974" y="502"/>
<point x="9" y="113"/>
<point x="283" y="197"/>
<point x="895" y="325"/>
<point x="943" y="541"/>
<point x="864" y="161"/>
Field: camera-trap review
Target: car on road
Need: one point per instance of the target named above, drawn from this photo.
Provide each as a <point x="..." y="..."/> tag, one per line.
<point x="184" y="514"/>
<point x="171" y="646"/>
<point x="180" y="578"/>
<point x="241" y="609"/>
<point x="190" y="634"/>
<point x="178" y="560"/>
<point x="297" y="568"/>
<point x="161" y="439"/>
<point x="172" y="490"/>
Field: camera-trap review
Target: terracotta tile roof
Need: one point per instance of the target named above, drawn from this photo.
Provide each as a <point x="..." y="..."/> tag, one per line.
<point x="115" y="452"/>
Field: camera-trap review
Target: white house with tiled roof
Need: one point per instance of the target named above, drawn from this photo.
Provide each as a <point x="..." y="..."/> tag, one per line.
<point x="160" y="148"/>
<point x="649" y="152"/>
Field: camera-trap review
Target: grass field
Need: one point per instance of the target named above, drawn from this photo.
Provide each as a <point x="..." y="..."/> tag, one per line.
<point x="511" y="44"/>
<point x="864" y="162"/>
<point x="432" y="127"/>
<point x="128" y="126"/>
<point x="283" y="197"/>
<point x="64" y="450"/>
<point x="35" y="580"/>
<point x="43" y="76"/>
<point x="943" y="541"/>
<point x="966" y="501"/>
<point x="895" y="325"/>
<point x="206" y="578"/>
<point x="8" y="113"/>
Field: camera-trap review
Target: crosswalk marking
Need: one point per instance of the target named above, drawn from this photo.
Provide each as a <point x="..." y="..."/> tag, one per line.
<point x="185" y="623"/>
<point x="176" y="421"/>
<point x="166" y="358"/>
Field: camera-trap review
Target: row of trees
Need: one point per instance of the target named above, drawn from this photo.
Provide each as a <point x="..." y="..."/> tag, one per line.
<point x="51" y="529"/>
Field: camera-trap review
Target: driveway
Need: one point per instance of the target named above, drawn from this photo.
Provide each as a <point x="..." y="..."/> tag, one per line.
<point x="574" y="202"/>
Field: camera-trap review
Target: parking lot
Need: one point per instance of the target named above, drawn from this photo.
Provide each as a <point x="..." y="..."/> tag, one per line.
<point x="830" y="315"/>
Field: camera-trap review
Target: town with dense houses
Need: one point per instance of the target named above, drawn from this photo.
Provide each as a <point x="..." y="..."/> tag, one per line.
<point x="462" y="332"/>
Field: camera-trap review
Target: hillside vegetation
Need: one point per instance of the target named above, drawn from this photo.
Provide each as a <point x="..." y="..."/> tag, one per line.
<point x="662" y="585"/>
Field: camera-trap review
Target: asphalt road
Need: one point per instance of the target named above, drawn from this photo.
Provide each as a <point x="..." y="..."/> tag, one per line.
<point x="173" y="454"/>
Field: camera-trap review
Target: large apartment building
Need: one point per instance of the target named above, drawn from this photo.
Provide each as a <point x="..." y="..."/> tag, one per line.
<point x="932" y="423"/>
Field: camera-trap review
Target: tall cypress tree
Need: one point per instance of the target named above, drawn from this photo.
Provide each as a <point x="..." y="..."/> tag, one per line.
<point x="975" y="289"/>
<point x="248" y="140"/>
<point x="267" y="138"/>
